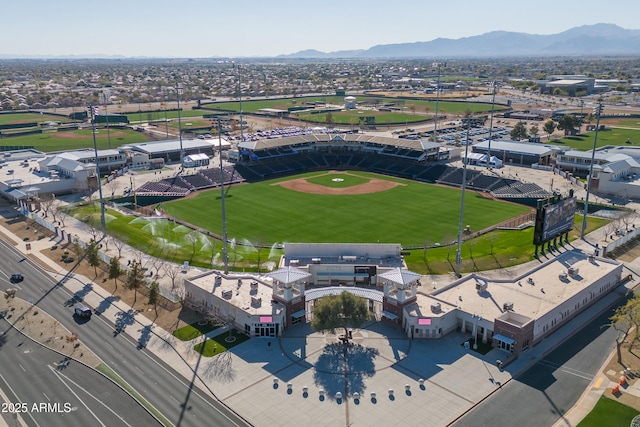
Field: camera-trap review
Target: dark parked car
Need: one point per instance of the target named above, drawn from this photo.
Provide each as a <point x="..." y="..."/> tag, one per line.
<point x="83" y="311"/>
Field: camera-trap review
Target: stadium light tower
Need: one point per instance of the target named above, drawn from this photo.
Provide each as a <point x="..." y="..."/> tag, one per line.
<point x="597" y="110"/>
<point x="93" y="112"/>
<point x="239" y="68"/>
<point x="493" y="104"/>
<point x="464" y="186"/>
<point x="437" y="66"/>
<point x="104" y="99"/>
<point x="225" y="256"/>
<point x="178" y="93"/>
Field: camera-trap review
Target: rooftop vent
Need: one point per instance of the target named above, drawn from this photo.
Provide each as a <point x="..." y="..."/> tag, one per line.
<point x="507" y="306"/>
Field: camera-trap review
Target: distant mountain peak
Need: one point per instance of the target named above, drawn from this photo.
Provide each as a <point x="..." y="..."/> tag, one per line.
<point x="593" y="39"/>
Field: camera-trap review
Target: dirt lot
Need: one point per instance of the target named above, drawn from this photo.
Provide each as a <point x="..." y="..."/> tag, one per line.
<point x="170" y="316"/>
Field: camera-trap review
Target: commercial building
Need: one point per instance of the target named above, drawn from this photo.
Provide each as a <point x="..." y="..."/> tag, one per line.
<point x="512" y="314"/>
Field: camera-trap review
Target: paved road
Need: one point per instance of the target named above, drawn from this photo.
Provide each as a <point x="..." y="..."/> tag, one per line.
<point x="52" y="392"/>
<point x="178" y="399"/>
<point x="551" y="387"/>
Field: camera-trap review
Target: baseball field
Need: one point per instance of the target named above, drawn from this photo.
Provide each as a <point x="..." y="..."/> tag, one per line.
<point x="341" y="207"/>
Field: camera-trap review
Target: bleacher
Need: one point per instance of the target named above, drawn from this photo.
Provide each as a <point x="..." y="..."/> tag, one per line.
<point x="198" y="181"/>
<point x="518" y="190"/>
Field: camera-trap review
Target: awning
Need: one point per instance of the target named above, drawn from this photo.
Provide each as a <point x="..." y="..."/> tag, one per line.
<point x="504" y="339"/>
<point x="389" y="315"/>
<point x="299" y="314"/>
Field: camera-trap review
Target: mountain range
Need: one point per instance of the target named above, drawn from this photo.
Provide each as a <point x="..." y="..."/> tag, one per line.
<point x="587" y="40"/>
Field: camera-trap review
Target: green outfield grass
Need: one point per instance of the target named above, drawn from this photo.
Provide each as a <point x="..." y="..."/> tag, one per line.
<point x="75" y="139"/>
<point x="411" y="213"/>
<point x="353" y="117"/>
<point x="614" y="136"/>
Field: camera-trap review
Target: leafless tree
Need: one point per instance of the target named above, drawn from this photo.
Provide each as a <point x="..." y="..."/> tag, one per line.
<point x="608" y="229"/>
<point x="46" y="203"/>
<point x="61" y="214"/>
<point x="111" y="186"/>
<point x="172" y="271"/>
<point x="628" y="218"/>
<point x="119" y="244"/>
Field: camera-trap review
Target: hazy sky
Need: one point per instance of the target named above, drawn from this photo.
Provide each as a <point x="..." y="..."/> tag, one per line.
<point x="237" y="28"/>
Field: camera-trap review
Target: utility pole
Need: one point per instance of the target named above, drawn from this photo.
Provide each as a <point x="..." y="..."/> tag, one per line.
<point x="178" y="90"/>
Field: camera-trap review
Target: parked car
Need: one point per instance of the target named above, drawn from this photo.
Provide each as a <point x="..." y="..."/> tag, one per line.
<point x="83" y="311"/>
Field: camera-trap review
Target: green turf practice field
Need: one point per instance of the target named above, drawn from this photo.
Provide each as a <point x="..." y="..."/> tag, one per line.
<point x="411" y="213"/>
<point x="611" y="136"/>
<point x="7" y="119"/>
<point x="75" y="139"/>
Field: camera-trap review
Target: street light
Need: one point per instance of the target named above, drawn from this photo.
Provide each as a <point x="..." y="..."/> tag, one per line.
<point x="93" y="111"/>
<point x="597" y="110"/>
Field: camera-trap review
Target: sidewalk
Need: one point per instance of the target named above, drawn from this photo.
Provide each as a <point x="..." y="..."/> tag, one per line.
<point x="456" y="379"/>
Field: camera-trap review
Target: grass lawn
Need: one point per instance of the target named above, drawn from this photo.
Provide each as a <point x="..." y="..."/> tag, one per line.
<point x="609" y="413"/>
<point x="219" y="343"/>
<point x="76" y="139"/>
<point x="194" y="330"/>
<point x="615" y="136"/>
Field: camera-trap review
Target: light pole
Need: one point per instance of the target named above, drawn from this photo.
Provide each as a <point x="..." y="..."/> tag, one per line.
<point x="104" y="98"/>
<point x="597" y="110"/>
<point x="178" y="90"/>
<point x="93" y="111"/>
<point x="437" y="66"/>
<point x="166" y="122"/>
<point x="225" y="257"/>
<point x="238" y="67"/>
<point x="464" y="186"/>
<point x="493" y="103"/>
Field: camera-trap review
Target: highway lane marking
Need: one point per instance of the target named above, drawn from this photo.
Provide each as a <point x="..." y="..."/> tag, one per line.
<point x="61" y="376"/>
<point x="17" y="400"/>
<point x="176" y="400"/>
<point x="22" y="367"/>
<point x="45" y="396"/>
<point x="139" y="370"/>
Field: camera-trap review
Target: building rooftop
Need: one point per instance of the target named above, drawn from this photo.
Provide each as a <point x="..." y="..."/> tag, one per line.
<point x="249" y="294"/>
<point x="532" y="294"/>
